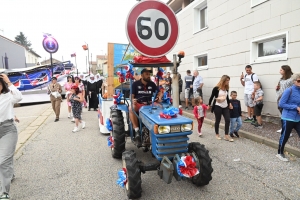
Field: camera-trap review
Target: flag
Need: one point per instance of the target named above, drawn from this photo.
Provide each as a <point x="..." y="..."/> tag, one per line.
<point x="85" y="47"/>
<point x="73" y="55"/>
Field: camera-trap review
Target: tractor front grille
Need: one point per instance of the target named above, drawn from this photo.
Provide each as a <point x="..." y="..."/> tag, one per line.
<point x="169" y="146"/>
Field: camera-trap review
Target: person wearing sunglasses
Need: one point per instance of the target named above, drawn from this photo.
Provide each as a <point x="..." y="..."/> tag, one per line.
<point x="290" y="118"/>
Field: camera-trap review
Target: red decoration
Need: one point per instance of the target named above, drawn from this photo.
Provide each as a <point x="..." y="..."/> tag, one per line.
<point x="191" y="169"/>
<point x="145" y="59"/>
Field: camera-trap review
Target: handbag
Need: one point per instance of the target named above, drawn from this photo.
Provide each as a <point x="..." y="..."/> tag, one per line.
<point x="56" y="94"/>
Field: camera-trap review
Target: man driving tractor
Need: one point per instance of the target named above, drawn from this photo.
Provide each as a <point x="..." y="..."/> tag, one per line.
<point x="142" y="92"/>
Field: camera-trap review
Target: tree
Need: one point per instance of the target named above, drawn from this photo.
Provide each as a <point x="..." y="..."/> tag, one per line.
<point x="23" y="40"/>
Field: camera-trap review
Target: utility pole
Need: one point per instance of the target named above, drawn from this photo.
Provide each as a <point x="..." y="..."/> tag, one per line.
<point x="91" y="60"/>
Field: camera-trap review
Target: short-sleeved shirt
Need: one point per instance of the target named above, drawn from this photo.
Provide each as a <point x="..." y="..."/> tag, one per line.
<point x="143" y="93"/>
<point x="188" y="81"/>
<point x="198" y="80"/>
<point x="249" y="85"/>
<point x="258" y="93"/>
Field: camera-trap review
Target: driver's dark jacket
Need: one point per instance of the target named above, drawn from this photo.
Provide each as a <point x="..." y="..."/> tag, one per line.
<point x="143" y="93"/>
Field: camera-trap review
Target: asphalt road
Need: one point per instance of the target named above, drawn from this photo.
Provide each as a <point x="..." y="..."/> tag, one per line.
<point x="58" y="164"/>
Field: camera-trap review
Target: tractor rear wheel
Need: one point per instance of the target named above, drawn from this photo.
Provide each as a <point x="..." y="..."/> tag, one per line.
<point x="118" y="133"/>
<point x="205" y="169"/>
<point x="133" y="185"/>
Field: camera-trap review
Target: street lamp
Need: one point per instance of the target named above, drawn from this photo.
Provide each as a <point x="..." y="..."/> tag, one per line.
<point x="86" y="47"/>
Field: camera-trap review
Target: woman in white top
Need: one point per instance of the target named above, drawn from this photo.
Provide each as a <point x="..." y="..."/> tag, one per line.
<point x="284" y="82"/>
<point x="221" y="106"/>
<point x="9" y="95"/>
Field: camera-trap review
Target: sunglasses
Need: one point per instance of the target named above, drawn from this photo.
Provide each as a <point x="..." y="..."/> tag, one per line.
<point x="298" y="81"/>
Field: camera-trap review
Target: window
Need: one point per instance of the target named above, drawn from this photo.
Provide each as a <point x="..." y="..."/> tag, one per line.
<point x="257" y="2"/>
<point x="269" y="49"/>
<point x="200" y="16"/>
<point x="200" y="61"/>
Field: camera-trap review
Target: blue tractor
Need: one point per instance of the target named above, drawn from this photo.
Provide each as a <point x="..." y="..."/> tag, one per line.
<point x="166" y="139"/>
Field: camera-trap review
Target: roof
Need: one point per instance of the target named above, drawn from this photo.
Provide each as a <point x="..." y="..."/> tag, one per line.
<point x="26" y="48"/>
<point x="93" y="62"/>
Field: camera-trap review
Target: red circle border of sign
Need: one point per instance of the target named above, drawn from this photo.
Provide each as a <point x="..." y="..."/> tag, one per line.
<point x="46" y="49"/>
<point x="130" y="25"/>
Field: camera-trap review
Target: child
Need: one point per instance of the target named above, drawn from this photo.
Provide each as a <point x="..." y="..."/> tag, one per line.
<point x="200" y="113"/>
<point x="235" y="115"/>
<point x="258" y="96"/>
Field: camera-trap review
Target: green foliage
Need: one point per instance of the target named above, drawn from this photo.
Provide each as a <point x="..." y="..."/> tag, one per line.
<point x="22" y="39"/>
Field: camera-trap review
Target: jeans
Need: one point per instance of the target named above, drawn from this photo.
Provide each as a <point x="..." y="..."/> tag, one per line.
<point x="235" y="121"/>
<point x="8" y="142"/>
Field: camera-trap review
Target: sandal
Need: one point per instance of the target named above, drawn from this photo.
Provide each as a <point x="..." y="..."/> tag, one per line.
<point x="218" y="138"/>
<point x="229" y="139"/>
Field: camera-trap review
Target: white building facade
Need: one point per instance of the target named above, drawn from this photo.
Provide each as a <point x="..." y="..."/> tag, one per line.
<point x="223" y="36"/>
<point x="18" y="56"/>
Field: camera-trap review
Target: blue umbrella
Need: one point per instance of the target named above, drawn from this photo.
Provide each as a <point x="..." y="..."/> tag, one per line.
<point x="6" y="61"/>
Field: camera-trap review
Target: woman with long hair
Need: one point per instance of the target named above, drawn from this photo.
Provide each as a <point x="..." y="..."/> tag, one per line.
<point x="221" y="106"/>
<point x="284" y="82"/>
<point x="9" y="95"/>
<point x="76" y="100"/>
<point x="68" y="85"/>
<point x="290" y="117"/>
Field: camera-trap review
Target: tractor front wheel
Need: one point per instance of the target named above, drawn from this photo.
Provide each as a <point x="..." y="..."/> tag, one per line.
<point x="205" y="168"/>
<point x="133" y="185"/>
<point x="118" y="133"/>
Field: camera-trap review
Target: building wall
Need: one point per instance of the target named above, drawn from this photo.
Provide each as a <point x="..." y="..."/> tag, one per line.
<point x="31" y="59"/>
<point x="232" y="25"/>
<point x="14" y="52"/>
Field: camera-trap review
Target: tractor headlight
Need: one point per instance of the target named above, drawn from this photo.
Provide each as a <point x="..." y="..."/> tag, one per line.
<point x="164" y="129"/>
<point x="186" y="127"/>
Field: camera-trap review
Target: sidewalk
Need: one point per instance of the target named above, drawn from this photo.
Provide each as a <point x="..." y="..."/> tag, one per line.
<point x="267" y="135"/>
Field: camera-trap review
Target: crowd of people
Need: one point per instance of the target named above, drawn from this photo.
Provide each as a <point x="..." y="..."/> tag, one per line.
<point x="80" y="93"/>
<point x="287" y="94"/>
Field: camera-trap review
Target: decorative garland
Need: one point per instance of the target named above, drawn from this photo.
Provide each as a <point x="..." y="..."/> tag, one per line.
<point x="169" y="113"/>
<point x="117" y="97"/>
<point x="110" y="142"/>
<point x="122" y="180"/>
<point x="108" y="124"/>
<point x="186" y="167"/>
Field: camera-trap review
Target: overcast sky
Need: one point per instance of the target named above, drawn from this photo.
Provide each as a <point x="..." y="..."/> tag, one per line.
<point x="71" y="22"/>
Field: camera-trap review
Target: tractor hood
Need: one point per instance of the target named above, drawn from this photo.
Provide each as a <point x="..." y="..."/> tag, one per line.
<point x="154" y="117"/>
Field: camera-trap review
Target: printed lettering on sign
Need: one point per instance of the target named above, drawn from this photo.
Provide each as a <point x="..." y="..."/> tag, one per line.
<point x="144" y="92"/>
<point x="149" y="88"/>
<point x="140" y="87"/>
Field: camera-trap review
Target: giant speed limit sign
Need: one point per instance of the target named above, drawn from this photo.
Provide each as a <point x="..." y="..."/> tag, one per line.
<point x="152" y="28"/>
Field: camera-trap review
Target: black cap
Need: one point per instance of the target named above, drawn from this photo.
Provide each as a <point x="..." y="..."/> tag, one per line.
<point x="145" y="70"/>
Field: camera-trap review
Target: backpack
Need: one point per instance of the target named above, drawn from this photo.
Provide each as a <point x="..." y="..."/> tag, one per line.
<point x="252" y="80"/>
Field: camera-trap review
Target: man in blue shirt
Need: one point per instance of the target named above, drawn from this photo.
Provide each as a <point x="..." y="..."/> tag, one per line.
<point x="197" y="85"/>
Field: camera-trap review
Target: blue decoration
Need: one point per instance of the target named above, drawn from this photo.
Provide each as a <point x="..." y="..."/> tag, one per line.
<point x="108" y="124"/>
<point x="160" y="73"/>
<point x="117" y="97"/>
<point x="187" y="167"/>
<point x="110" y="142"/>
<point x="122" y="180"/>
<point x="172" y="111"/>
<point x="166" y="99"/>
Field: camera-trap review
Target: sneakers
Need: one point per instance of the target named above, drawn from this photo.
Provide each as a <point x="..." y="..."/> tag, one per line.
<point x="199" y="134"/>
<point x="4" y="196"/>
<point x="82" y="124"/>
<point x="75" y="129"/>
<point x="231" y="135"/>
<point x="258" y="126"/>
<point x="69" y="115"/>
<point x="282" y="157"/>
<point x="186" y="108"/>
<point x="73" y="119"/>
<point x="254" y="123"/>
<point x="236" y="134"/>
<point x="279" y="131"/>
<point x="248" y="120"/>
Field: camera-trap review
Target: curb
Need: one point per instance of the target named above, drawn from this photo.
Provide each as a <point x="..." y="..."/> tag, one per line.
<point x="251" y="136"/>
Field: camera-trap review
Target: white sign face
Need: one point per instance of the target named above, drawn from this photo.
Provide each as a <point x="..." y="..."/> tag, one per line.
<point x="152" y="28"/>
<point x="159" y="29"/>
